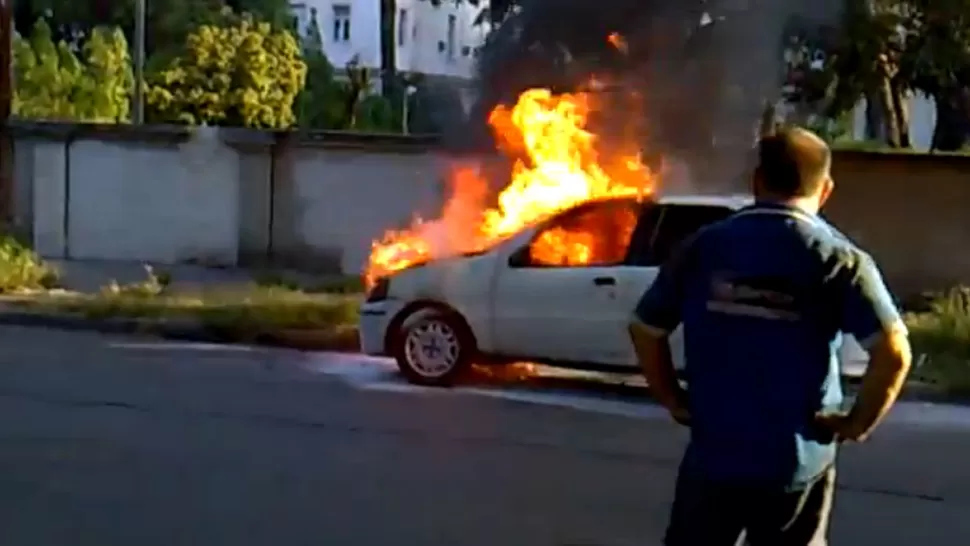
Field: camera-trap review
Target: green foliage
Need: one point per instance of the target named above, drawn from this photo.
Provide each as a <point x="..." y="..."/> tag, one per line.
<point x="321" y="101"/>
<point x="168" y="22"/>
<point x="887" y="48"/>
<point x="375" y="114"/>
<point x="941" y="341"/>
<point x="325" y="103"/>
<point x="837" y="67"/>
<point x="241" y="72"/>
<point x="831" y="130"/>
<point x="937" y="55"/>
<point x="53" y="84"/>
<point x="21" y="269"/>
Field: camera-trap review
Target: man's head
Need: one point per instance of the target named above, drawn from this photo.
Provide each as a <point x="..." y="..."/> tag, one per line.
<point x="793" y="166"/>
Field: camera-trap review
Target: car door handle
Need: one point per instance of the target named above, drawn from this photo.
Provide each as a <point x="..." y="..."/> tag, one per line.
<point x="604" y="281"/>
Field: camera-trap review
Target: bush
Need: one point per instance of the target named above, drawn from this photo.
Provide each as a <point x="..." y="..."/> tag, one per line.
<point x="21" y="269"/>
<point x="242" y="73"/>
<point x="941" y="341"/>
<point x="57" y="82"/>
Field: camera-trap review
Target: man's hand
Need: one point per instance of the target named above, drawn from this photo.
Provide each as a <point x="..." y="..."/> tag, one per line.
<point x="681" y="415"/>
<point x="841" y="426"/>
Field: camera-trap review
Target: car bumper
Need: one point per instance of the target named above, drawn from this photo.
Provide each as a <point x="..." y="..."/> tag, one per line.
<point x="375" y="318"/>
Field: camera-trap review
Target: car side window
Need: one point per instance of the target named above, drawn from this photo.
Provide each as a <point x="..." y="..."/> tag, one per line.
<point x="678" y="222"/>
<point x="596" y="235"/>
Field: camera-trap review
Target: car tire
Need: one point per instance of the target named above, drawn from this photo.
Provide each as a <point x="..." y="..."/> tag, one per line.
<point x="434" y="348"/>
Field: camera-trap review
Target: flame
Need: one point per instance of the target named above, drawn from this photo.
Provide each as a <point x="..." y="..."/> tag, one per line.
<point x="618" y="41"/>
<point x="558" y="167"/>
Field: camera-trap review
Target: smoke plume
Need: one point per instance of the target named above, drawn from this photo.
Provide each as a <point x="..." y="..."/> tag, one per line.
<point x="689" y="81"/>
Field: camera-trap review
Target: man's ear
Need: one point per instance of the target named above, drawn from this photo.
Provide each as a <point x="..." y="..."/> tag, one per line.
<point x="828" y="186"/>
<point x="757" y="180"/>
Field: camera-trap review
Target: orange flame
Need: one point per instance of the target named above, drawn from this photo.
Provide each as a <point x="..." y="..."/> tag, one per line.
<point x="618" y="41"/>
<point x="560" y="168"/>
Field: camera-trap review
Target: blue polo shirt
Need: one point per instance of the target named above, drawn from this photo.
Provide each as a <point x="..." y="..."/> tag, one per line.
<point x="764" y="298"/>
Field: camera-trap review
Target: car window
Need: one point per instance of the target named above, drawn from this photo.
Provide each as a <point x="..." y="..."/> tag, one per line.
<point x="677" y="222"/>
<point x="595" y="235"/>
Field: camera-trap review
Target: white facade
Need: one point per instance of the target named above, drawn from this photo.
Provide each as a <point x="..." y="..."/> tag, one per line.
<point x="433" y="40"/>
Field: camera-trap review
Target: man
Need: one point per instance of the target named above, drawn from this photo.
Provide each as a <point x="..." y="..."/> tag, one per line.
<point x="764" y="298"/>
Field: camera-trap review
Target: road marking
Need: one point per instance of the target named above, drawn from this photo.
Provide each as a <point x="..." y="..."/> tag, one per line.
<point x="379" y="374"/>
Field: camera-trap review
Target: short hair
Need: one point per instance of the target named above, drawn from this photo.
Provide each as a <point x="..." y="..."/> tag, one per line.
<point x="793" y="162"/>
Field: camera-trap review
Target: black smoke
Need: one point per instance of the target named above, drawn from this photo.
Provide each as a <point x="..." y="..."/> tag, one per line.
<point x="691" y="82"/>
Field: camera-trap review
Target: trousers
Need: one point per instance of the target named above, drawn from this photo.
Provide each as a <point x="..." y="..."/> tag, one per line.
<point x="713" y="513"/>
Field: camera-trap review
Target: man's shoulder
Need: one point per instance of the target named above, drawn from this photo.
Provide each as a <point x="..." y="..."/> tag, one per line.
<point x="837" y="249"/>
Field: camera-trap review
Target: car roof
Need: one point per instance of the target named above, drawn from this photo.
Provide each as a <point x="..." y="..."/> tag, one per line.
<point x="731" y="201"/>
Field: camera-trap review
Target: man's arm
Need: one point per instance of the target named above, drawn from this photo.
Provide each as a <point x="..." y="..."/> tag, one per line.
<point x="656" y="316"/>
<point x="653" y="353"/>
<point x="869" y="314"/>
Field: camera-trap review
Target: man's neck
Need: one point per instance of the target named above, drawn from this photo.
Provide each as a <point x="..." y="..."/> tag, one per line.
<point x="803" y="204"/>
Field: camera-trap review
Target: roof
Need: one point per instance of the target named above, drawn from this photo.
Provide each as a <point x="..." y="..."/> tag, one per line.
<point x="733" y="201"/>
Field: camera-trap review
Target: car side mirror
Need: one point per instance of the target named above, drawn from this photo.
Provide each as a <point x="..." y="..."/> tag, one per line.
<point x="521" y="257"/>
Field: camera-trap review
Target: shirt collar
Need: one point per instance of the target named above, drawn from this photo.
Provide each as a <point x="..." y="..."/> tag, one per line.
<point x="784" y="209"/>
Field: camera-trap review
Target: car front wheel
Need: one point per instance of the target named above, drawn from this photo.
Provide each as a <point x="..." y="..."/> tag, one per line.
<point x="434" y="349"/>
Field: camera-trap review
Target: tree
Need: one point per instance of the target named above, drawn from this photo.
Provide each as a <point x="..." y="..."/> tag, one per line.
<point x="53" y="84"/>
<point x="240" y="73"/>
<point x="321" y="101"/>
<point x="937" y="60"/>
<point x="832" y="69"/>
<point x="168" y="22"/>
<point x="358" y="84"/>
<point x="389" y="83"/>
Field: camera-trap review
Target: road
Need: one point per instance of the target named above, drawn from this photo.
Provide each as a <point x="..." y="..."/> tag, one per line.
<point x="120" y="441"/>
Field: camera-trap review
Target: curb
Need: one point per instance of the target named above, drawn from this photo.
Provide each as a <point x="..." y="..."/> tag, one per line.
<point x="319" y="340"/>
<point x="107" y="325"/>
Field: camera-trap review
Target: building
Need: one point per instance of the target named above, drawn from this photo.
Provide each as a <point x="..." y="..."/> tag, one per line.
<point x="435" y="38"/>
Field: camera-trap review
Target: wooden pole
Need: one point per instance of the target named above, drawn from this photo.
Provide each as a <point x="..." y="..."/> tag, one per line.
<point x="6" y="98"/>
<point x="139" y="110"/>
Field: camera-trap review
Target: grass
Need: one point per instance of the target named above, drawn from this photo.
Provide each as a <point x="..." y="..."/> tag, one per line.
<point x="941" y="341"/>
<point x="21" y="269"/>
<point x="244" y="313"/>
<point x="251" y="309"/>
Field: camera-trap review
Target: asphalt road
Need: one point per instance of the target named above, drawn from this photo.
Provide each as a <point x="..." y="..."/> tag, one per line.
<point x="112" y="441"/>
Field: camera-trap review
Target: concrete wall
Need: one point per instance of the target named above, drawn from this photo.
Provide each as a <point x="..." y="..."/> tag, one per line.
<point x="236" y="197"/>
<point x="220" y="196"/>
<point x="128" y="195"/>
<point x="911" y="211"/>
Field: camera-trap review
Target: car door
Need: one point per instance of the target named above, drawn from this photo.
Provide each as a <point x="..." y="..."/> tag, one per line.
<point x="560" y="292"/>
<point x="676" y="222"/>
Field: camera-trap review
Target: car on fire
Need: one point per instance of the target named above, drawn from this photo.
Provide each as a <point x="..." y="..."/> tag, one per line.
<point x="560" y="291"/>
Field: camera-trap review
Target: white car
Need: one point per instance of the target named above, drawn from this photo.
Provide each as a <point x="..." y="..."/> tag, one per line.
<point x="509" y="303"/>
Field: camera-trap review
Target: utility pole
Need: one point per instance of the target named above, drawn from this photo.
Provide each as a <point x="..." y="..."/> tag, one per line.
<point x="6" y="98"/>
<point x="139" y="106"/>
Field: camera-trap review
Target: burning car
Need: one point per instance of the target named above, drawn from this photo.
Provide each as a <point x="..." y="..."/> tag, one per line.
<point x="549" y="274"/>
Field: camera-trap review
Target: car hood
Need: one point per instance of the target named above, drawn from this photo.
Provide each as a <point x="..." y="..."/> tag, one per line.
<point x="441" y="278"/>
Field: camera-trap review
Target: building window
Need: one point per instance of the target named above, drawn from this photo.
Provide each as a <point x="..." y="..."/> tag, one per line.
<point x="402" y="26"/>
<point x="450" y="46"/>
<point x="341" y="23"/>
<point x="301" y="18"/>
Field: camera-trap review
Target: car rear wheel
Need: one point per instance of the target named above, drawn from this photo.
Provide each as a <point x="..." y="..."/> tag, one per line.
<point x="435" y="348"/>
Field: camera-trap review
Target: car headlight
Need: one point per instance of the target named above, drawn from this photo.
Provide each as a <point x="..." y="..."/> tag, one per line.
<point x="379" y="290"/>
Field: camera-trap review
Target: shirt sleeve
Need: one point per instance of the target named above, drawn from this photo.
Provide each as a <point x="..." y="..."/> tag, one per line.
<point x="867" y="307"/>
<point x="659" y="309"/>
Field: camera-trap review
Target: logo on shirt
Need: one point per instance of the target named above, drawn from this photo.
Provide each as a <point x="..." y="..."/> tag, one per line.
<point x="763" y="298"/>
